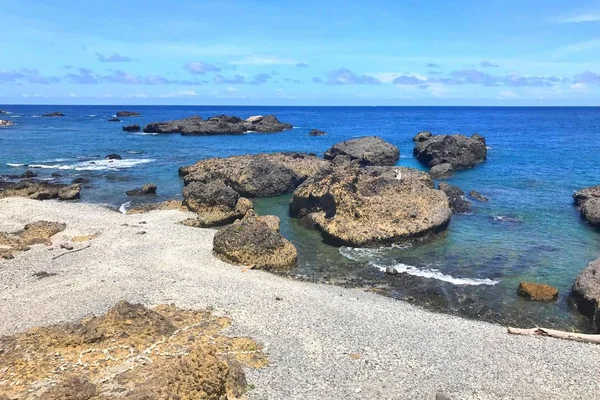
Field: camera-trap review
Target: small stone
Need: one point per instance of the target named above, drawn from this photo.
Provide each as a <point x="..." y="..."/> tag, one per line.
<point x="66" y="246"/>
<point x="391" y="271"/>
<point x="278" y="298"/>
<point x="141" y="233"/>
<point x="537" y="291"/>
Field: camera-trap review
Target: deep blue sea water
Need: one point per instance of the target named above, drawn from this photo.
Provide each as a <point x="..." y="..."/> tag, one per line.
<point x="529" y="230"/>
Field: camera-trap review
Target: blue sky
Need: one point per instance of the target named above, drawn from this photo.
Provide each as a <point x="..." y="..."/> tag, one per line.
<point x="336" y="52"/>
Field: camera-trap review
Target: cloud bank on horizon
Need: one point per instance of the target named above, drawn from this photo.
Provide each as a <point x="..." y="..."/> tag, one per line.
<point x="329" y="53"/>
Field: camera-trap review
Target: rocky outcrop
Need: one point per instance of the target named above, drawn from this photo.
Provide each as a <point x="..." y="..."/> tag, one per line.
<point x="215" y="204"/>
<point x="371" y="206"/>
<point x="259" y="175"/>
<point x="165" y="205"/>
<point x="39" y="190"/>
<point x="586" y="292"/>
<point x="317" y="132"/>
<point x="132" y="128"/>
<point x="128" y="114"/>
<point x="369" y="150"/>
<point x="583" y="195"/>
<point x="35" y="233"/>
<point x="113" y="157"/>
<point x="149" y="188"/>
<point x="53" y="114"/>
<point x="114" y="119"/>
<point x="441" y="171"/>
<point x="255" y="241"/>
<point x="459" y="151"/>
<point x="589" y="201"/>
<point x="70" y="192"/>
<point x="4" y="123"/>
<point x="422" y="136"/>
<point x="537" y="291"/>
<point x="218" y="125"/>
<point x="456" y="198"/>
<point x="478" y="196"/>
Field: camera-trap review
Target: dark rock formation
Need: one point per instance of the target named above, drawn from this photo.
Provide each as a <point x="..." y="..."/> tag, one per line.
<point x="456" y="198"/>
<point x="113" y="156"/>
<point x="149" y="188"/>
<point x="128" y="114"/>
<point x="317" y="132"/>
<point x="218" y="125"/>
<point x="586" y="292"/>
<point x="39" y="190"/>
<point x="478" y="196"/>
<point x="80" y="180"/>
<point x="537" y="291"/>
<point x="441" y="171"/>
<point x="422" y="136"/>
<point x="583" y="195"/>
<point x="369" y="150"/>
<point x="255" y="241"/>
<point x="371" y="206"/>
<point x="260" y="175"/>
<point x="53" y="114"/>
<point x="132" y="128"/>
<point x="459" y="151"/>
<point x="215" y="203"/>
<point x="114" y="119"/>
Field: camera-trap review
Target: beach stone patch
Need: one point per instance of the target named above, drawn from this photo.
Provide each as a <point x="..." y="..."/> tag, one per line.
<point x="85" y="238"/>
<point x="130" y="352"/>
<point x="537" y="291"/>
<point x="362" y="207"/>
<point x="586" y="292"/>
<point x="215" y="204"/>
<point x="38" y="232"/>
<point x="456" y="198"/>
<point x="255" y="241"/>
<point x="369" y="150"/>
<point x="460" y="151"/>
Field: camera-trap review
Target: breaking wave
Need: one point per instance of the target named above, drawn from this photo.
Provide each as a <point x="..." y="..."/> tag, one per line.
<point x="435" y="274"/>
<point x="97" y="165"/>
<point x="15" y="165"/>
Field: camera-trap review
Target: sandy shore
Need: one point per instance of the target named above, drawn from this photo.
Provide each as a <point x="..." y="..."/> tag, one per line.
<point x="309" y="335"/>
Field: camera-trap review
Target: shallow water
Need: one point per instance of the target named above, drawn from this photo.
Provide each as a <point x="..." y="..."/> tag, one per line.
<point x="528" y="231"/>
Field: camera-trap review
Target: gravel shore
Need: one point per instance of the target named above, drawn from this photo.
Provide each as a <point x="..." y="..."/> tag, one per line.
<point x="323" y="342"/>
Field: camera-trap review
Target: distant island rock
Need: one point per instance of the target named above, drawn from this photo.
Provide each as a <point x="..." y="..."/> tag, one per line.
<point x="459" y="151"/>
<point x="128" y="114"/>
<point x="53" y="114"/>
<point x="369" y="150"/>
<point x="218" y="125"/>
<point x="114" y="119"/>
<point x="317" y="132"/>
<point x="132" y="128"/>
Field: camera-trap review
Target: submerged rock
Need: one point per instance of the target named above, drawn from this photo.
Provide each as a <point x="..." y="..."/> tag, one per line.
<point x="132" y="128"/>
<point x="149" y="188"/>
<point x="113" y="157"/>
<point x="537" y="291"/>
<point x="215" y="203"/>
<point x="255" y="241"/>
<point x="459" y="151"/>
<point x="586" y="292"/>
<point x="456" y="198"/>
<point x="478" y="196"/>
<point x="259" y="175"/>
<point x="369" y="150"/>
<point x="218" y="125"/>
<point x="317" y="132"/>
<point x="371" y="206"/>
<point x="128" y="114"/>
<point x="114" y="119"/>
<point x="53" y="114"/>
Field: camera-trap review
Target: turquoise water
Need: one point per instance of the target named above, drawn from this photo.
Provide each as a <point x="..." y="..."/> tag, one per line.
<point x="529" y="230"/>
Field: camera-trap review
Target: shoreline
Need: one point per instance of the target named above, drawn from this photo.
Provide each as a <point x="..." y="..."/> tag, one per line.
<point x="312" y="335"/>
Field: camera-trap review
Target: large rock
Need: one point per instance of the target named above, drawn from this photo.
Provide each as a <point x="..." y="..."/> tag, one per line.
<point x="583" y="195"/>
<point x="441" y="170"/>
<point x="459" y="151"/>
<point x="70" y="192"/>
<point x="218" y="125"/>
<point x="422" y="136"/>
<point x="371" y="206"/>
<point x="215" y="203"/>
<point x="369" y="150"/>
<point x="590" y="211"/>
<point x="149" y="188"/>
<point x="132" y="128"/>
<point x="586" y="292"/>
<point x="456" y="198"/>
<point x="39" y="190"/>
<point x="174" y="126"/>
<point x="255" y="241"/>
<point x="259" y="175"/>
<point x="128" y="114"/>
<point x="113" y="156"/>
<point x="537" y="291"/>
<point x="53" y="114"/>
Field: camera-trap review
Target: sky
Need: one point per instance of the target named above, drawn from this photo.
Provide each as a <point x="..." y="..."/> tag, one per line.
<point x="327" y="52"/>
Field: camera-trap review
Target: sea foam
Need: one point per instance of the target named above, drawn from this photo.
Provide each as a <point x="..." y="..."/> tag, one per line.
<point x="97" y="165"/>
<point x="435" y="274"/>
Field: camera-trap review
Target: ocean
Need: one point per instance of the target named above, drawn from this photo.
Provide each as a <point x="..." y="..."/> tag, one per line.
<point x="528" y="231"/>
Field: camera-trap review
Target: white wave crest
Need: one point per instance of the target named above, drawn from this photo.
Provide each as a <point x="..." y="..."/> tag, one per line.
<point x="97" y="165"/>
<point x="92" y="115"/>
<point x="367" y="254"/>
<point x="14" y="165"/>
<point x="435" y="274"/>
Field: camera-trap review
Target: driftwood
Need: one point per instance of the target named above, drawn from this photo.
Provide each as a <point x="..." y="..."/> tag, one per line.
<point x="580" y="337"/>
<point x="72" y="251"/>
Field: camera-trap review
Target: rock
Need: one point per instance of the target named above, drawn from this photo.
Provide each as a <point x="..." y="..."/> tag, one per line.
<point x="254" y="119"/>
<point x="391" y="271"/>
<point x="586" y="291"/>
<point x="72" y="388"/>
<point x="114" y="119"/>
<point x="459" y="151"/>
<point x="37" y="190"/>
<point x="132" y="128"/>
<point x="253" y="241"/>
<point x="28" y="174"/>
<point x="537" y="291"/>
<point x="421" y="136"/>
<point x="149" y="188"/>
<point x="215" y="203"/>
<point x="4" y="112"/>
<point x="218" y="125"/>
<point x="70" y="192"/>
<point x="583" y="195"/>
<point x="66" y="246"/>
<point x="113" y="157"/>
<point x="317" y="132"/>
<point x="35" y="233"/>
<point x="371" y="206"/>
<point x="128" y="114"/>
<point x="55" y="175"/>
<point x="478" y="196"/>
<point x="174" y="126"/>
<point x="369" y="150"/>
<point x="80" y="180"/>
<point x="4" y="122"/>
<point x="53" y="114"/>
<point x="456" y="198"/>
<point x="165" y="205"/>
<point x="259" y="175"/>
<point x="441" y="170"/>
<point x="590" y="211"/>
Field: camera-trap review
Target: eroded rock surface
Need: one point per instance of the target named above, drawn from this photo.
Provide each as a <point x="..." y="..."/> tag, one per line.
<point x="586" y="291"/>
<point x="459" y="151"/>
<point x="35" y="233"/>
<point x="537" y="291"/>
<point x="39" y="190"/>
<point x="132" y="128"/>
<point x="456" y="198"/>
<point x="149" y="188"/>
<point x="215" y="204"/>
<point x="369" y="150"/>
<point x="165" y="205"/>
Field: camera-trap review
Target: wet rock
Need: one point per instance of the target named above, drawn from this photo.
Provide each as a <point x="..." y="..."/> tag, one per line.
<point x="215" y="203"/>
<point x="441" y="170"/>
<point x="174" y="126"/>
<point x="456" y="198"/>
<point x="422" y="136"/>
<point x="149" y="188"/>
<point x="260" y="175"/>
<point x="71" y="192"/>
<point x="56" y="175"/>
<point x="4" y="122"/>
<point x="113" y="156"/>
<point x="132" y="128"/>
<point x="537" y="291"/>
<point x="80" y="180"/>
<point x="371" y="206"/>
<point x="583" y="195"/>
<point x="317" y="132"/>
<point x="586" y="292"/>
<point x="4" y="112"/>
<point x="218" y="125"/>
<point x="28" y="174"/>
<point x="128" y="114"/>
<point x="114" y="119"/>
<point x="369" y="150"/>
<point x="253" y="241"/>
<point x="37" y="190"/>
<point x="478" y="196"/>
<point x="590" y="211"/>
<point x="459" y="151"/>
<point x="53" y="114"/>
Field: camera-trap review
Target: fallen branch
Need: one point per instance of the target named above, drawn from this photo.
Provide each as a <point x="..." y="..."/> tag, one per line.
<point x="73" y="251"/>
<point x="580" y="337"/>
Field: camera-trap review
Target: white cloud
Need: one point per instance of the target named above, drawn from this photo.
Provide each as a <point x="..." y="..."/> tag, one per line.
<point x="181" y="93"/>
<point x="576" y="19"/>
<point x="507" y="94"/>
<point x="136" y="96"/>
<point x="71" y="94"/>
<point x="34" y="95"/>
<point x="577" y="47"/>
<point x="265" y="60"/>
<point x="580" y="87"/>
